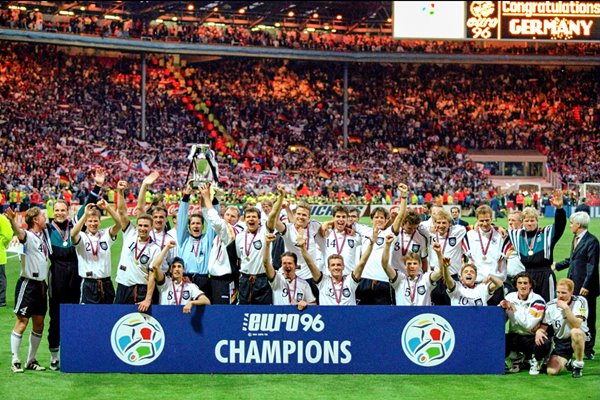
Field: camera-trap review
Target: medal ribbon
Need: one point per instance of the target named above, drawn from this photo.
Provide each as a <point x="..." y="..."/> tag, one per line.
<point x="413" y="292"/>
<point x="138" y="255"/>
<point x="246" y="246"/>
<point x="484" y="251"/>
<point x="197" y="246"/>
<point x="405" y="250"/>
<point x="162" y="245"/>
<point x="335" y="293"/>
<point x="531" y="246"/>
<point x="65" y="235"/>
<point x="339" y="249"/>
<point x="95" y="251"/>
<point x="178" y="302"/>
<point x="290" y="297"/>
<point x="445" y="240"/>
<point x="44" y="244"/>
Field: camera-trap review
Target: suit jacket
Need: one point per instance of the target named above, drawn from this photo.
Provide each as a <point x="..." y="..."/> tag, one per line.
<point x="583" y="264"/>
<point x="462" y="222"/>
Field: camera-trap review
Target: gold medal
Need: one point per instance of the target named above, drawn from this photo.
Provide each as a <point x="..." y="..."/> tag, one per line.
<point x="65" y="243"/>
<point x="484" y="258"/>
<point x="95" y="257"/>
<point x="530" y="253"/>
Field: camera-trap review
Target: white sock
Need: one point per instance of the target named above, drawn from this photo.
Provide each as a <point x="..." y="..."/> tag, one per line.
<point x="34" y="342"/>
<point x="15" y="345"/>
<point x="578" y="364"/>
<point x="53" y="355"/>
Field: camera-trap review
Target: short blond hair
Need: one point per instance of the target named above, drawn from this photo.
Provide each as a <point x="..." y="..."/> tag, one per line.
<point x="568" y="283"/>
<point x="530" y="212"/>
<point x="441" y="214"/>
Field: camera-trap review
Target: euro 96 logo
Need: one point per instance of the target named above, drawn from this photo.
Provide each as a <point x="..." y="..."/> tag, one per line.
<point x="137" y="339"/>
<point x="428" y="340"/>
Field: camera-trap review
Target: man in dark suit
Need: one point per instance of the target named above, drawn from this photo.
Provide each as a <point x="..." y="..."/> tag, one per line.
<point x="583" y="270"/>
<point x="455" y="212"/>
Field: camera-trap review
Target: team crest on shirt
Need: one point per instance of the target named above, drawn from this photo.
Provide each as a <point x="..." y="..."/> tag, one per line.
<point x="144" y="259"/>
<point x="452" y="241"/>
<point x="421" y="290"/>
<point x="257" y="245"/>
<point x="346" y="292"/>
<point x="415" y="247"/>
<point x="299" y="296"/>
<point x="104" y="246"/>
<point x="186" y="295"/>
<point x="478" y="302"/>
<point x="351" y="243"/>
<point x="379" y="241"/>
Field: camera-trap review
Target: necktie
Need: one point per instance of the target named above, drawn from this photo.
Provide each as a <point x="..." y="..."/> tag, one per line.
<point x="575" y="242"/>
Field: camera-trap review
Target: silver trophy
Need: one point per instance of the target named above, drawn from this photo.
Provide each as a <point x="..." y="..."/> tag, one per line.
<point x="203" y="166"/>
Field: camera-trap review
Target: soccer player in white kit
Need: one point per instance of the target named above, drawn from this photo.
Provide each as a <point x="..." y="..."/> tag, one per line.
<point x="567" y="317"/>
<point x="302" y="225"/>
<point x="175" y="290"/>
<point x="524" y="310"/>
<point x="337" y="289"/>
<point x="222" y="281"/>
<point x="486" y="248"/>
<point x="414" y="287"/>
<point x="450" y="237"/>
<point x="288" y="289"/>
<point x="94" y="255"/>
<point x="336" y="238"/>
<point x="31" y="301"/>
<point x="135" y="284"/>
<point x="375" y="289"/>
<point x="160" y="217"/>
<point x="466" y="292"/>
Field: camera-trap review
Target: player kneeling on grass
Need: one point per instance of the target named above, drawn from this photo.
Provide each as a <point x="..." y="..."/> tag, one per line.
<point x="565" y="323"/>
<point x="175" y="290"/>
<point x="467" y="292"/>
<point x="524" y="310"/>
<point x="414" y="288"/>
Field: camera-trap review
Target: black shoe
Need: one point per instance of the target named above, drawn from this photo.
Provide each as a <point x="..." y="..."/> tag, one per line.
<point x="577" y="372"/>
<point x="569" y="365"/>
<point x="55" y="365"/>
<point x="589" y="355"/>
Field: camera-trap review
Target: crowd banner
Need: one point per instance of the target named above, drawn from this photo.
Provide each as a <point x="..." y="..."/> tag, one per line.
<point x="281" y="339"/>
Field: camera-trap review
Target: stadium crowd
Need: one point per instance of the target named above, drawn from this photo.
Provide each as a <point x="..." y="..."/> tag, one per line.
<point x="283" y="120"/>
<point x="292" y="38"/>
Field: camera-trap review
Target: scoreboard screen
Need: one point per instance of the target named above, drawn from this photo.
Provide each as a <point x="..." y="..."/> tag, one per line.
<point x="499" y="20"/>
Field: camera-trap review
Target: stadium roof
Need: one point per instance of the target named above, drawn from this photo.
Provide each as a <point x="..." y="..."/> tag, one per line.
<point x="345" y="16"/>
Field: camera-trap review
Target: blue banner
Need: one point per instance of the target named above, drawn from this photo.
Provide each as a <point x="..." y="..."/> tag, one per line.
<point x="270" y="339"/>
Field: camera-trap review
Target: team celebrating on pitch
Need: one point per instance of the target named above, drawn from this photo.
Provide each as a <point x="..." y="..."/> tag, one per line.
<point x="274" y="253"/>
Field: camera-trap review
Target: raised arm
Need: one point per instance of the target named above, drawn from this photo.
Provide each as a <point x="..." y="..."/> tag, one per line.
<point x="493" y="283"/>
<point x="315" y="272"/>
<point x="141" y="200"/>
<point x="560" y="217"/>
<point x="121" y="186"/>
<point x="12" y="217"/>
<point x="114" y="230"/>
<point x="444" y="264"/>
<point x="269" y="270"/>
<point x="273" y="222"/>
<point x="398" y="220"/>
<point x="357" y="273"/>
<point x="385" y="259"/>
<point x="88" y="211"/>
<point x="94" y="196"/>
